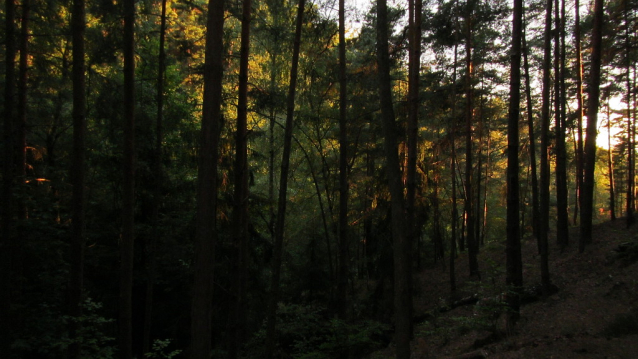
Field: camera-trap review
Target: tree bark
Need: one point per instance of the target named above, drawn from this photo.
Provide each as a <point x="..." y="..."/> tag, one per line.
<point x="128" y="186"/>
<point x="514" y="277"/>
<point x="271" y="337"/>
<point x="77" y="175"/>
<point x="544" y="187"/>
<point x="562" y="218"/>
<point x="472" y="245"/>
<point x="587" y="203"/>
<point x="401" y="266"/>
<point x="453" y="174"/>
<point x="579" y="110"/>
<point x="240" y="205"/>
<point x="206" y="218"/>
<point x="342" y="281"/>
<point x="8" y="178"/>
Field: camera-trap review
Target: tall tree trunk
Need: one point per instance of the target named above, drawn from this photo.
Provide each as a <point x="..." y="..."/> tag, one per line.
<point x="579" y="110"/>
<point x="128" y="186"/>
<point x="630" y="133"/>
<point x="562" y="218"/>
<point x="587" y="203"/>
<point x="283" y="189"/>
<point x="401" y="266"/>
<point x="342" y="281"/>
<point x="206" y="218"/>
<point x="514" y="277"/>
<point x="544" y="187"/>
<point x="76" y="281"/>
<point x="7" y="243"/>
<point x="151" y="243"/>
<point x="472" y="245"/>
<point x="453" y="174"/>
<point x="240" y="205"/>
<point x="21" y="120"/>
<point x="610" y="167"/>
<point x="412" y="140"/>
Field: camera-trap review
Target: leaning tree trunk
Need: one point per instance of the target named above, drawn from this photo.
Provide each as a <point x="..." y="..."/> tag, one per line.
<point x="401" y="266"/>
<point x="283" y="189"/>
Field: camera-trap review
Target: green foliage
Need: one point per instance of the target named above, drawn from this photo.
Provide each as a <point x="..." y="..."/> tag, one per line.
<point x="305" y="332"/>
<point x="159" y="350"/>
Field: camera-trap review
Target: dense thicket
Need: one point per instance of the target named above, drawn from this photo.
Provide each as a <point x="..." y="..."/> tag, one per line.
<point x="156" y="155"/>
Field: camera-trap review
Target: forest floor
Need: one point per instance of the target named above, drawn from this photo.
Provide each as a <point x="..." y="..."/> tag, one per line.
<point x="594" y="313"/>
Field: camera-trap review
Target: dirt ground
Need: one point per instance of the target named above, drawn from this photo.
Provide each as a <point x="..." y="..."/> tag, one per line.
<point x="594" y="313"/>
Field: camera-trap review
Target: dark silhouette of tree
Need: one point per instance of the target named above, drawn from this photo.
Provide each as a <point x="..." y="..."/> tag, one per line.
<point x="514" y="278"/>
<point x="273" y="299"/>
<point x="592" y="130"/>
<point x="240" y="196"/>
<point x="544" y="185"/>
<point x="342" y="281"/>
<point x="401" y="265"/>
<point x="206" y="218"/>
<point x="77" y="175"/>
<point x="128" y="187"/>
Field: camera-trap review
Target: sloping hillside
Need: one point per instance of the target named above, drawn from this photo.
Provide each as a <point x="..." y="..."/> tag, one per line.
<point x="594" y="313"/>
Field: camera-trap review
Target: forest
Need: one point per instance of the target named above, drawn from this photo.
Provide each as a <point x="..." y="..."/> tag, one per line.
<point x="272" y="178"/>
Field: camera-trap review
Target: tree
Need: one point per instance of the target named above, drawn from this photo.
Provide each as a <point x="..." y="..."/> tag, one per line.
<point x="342" y="281"/>
<point x="514" y="277"/>
<point x="273" y="300"/>
<point x="562" y="222"/>
<point x="206" y="217"/>
<point x="240" y="195"/>
<point x="8" y="173"/>
<point x="544" y="185"/>
<point x="401" y="265"/>
<point x="128" y="186"/>
<point x="76" y="282"/>
<point x="472" y="244"/>
<point x="592" y="129"/>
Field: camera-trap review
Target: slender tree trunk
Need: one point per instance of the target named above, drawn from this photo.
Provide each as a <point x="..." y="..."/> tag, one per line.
<point x="76" y="281"/>
<point x="562" y="219"/>
<point x="342" y="282"/>
<point x="630" y="133"/>
<point x="240" y="206"/>
<point x="271" y="339"/>
<point x="544" y="187"/>
<point x="455" y="213"/>
<point x="401" y="266"/>
<point x="587" y="203"/>
<point x="579" y="110"/>
<point x="151" y="243"/>
<point x="472" y="245"/>
<point x="206" y="218"/>
<point x="6" y="209"/>
<point x="514" y="277"/>
<point x="412" y="141"/>
<point x="128" y="187"/>
<point x="21" y="123"/>
<point x="610" y="167"/>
